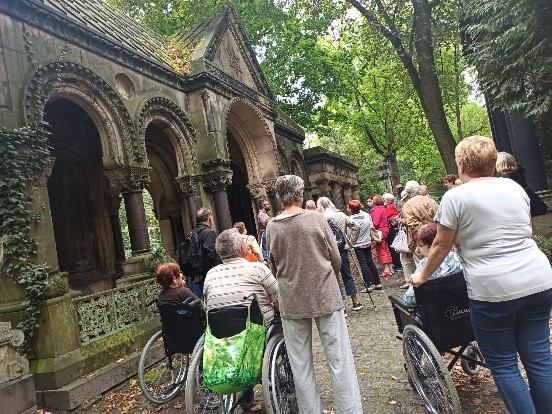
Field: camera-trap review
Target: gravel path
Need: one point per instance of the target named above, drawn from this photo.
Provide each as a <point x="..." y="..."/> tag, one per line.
<point x="379" y="365"/>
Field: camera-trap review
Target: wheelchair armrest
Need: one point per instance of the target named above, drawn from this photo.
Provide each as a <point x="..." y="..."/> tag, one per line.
<point x="399" y="302"/>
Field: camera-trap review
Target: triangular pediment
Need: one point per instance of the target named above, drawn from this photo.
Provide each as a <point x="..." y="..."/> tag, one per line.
<point x="223" y="47"/>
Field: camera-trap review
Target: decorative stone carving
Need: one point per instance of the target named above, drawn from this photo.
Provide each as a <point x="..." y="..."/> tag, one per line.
<point x="105" y="313"/>
<point x="217" y="180"/>
<point x="234" y="61"/>
<point x="173" y="209"/>
<point x="324" y="188"/>
<point x="72" y="79"/>
<point x="12" y="364"/>
<point x="257" y="190"/>
<point x="125" y="179"/>
<point x="269" y="185"/>
<point x="208" y="111"/>
<point x="168" y="113"/>
<point x="187" y="184"/>
<point x="57" y="284"/>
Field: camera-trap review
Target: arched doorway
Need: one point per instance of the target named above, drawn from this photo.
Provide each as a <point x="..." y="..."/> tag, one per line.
<point x="79" y="197"/>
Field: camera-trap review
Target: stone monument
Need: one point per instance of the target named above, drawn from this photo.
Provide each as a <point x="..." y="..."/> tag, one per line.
<point x="17" y="389"/>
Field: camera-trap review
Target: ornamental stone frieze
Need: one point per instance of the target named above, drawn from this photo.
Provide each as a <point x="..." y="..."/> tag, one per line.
<point x="270" y="186"/>
<point x="127" y="179"/>
<point x="12" y="364"/>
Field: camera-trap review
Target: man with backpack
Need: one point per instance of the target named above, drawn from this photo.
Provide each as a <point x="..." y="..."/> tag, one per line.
<point x="197" y="254"/>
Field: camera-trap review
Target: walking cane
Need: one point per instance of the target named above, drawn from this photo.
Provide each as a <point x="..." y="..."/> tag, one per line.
<point x="353" y="258"/>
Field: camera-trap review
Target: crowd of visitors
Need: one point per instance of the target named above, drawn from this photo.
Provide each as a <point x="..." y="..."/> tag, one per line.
<point x="302" y="269"/>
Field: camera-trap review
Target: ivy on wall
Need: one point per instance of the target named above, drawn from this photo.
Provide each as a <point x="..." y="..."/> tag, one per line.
<point x="23" y="155"/>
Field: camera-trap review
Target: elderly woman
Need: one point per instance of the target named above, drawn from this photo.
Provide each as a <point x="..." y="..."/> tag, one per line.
<point x="509" y="279"/>
<point x="173" y="290"/>
<point x="507" y="167"/>
<point x="393" y="219"/>
<point x="249" y="241"/>
<point x="303" y="255"/>
<point x="379" y="218"/>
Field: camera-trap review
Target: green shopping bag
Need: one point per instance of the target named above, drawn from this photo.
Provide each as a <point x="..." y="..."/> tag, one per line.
<point x="233" y="364"/>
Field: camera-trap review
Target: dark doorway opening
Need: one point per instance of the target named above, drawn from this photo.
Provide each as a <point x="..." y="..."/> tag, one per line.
<point x="239" y="200"/>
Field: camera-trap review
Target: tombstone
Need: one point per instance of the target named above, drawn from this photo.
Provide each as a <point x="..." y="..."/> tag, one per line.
<point x="17" y="388"/>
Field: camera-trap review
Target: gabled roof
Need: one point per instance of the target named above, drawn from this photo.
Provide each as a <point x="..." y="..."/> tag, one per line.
<point x="206" y="38"/>
<point x="100" y="17"/>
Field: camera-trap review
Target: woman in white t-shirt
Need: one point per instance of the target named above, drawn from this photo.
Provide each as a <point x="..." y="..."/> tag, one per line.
<point x="509" y="279"/>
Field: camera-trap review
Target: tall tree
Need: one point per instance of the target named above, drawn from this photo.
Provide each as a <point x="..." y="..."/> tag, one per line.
<point x="510" y="44"/>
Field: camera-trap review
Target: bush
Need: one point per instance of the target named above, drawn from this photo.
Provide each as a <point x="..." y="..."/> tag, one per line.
<point x="545" y="244"/>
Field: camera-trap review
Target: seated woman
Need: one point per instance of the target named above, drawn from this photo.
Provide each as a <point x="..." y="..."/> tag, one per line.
<point x="424" y="239"/>
<point x="169" y="277"/>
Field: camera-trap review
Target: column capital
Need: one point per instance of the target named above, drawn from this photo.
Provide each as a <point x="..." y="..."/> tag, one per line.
<point x="128" y="178"/>
<point x="187" y="184"/>
<point x="218" y="175"/>
<point x="173" y="209"/>
<point x="257" y="190"/>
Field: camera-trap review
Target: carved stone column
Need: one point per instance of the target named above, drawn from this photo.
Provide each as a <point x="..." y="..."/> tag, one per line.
<point x="336" y="195"/>
<point x="188" y="186"/>
<point x="131" y="181"/>
<point x="355" y="191"/>
<point x="116" y="229"/>
<point x="324" y="189"/>
<point x="174" y="212"/>
<point x="216" y="183"/>
<point x="347" y="192"/>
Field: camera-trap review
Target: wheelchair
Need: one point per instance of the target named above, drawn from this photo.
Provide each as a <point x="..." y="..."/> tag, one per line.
<point x="163" y="364"/>
<point x="276" y="379"/>
<point x="439" y="323"/>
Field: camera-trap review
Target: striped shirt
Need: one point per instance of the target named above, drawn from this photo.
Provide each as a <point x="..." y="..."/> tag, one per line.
<point x="228" y="283"/>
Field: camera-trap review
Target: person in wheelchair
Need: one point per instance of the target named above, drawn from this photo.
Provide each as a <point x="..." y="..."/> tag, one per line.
<point x="450" y="265"/>
<point x="228" y="283"/>
<point x="173" y="290"/>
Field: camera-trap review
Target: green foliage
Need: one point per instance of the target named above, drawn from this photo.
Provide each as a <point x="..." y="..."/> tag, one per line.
<point x="23" y="155"/>
<point x="545" y="244"/>
<point x="160" y="256"/>
<point x="511" y="47"/>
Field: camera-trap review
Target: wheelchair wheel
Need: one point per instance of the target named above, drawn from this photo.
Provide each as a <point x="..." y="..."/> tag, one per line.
<point x="471" y="368"/>
<point x="430" y="376"/>
<point x="161" y="377"/>
<point x="200" y="400"/>
<point x="277" y="379"/>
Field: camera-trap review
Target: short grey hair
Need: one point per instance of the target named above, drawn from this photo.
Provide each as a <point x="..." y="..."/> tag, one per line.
<point x="324" y="205"/>
<point x="310" y="205"/>
<point x="228" y="243"/>
<point x="289" y="188"/>
<point x="202" y="215"/>
<point x="413" y="187"/>
<point x="388" y="196"/>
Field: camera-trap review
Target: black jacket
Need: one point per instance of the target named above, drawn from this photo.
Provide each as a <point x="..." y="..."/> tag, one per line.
<point x="207" y="238"/>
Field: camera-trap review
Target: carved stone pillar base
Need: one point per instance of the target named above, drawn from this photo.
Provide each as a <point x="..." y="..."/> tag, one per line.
<point x="136" y="264"/>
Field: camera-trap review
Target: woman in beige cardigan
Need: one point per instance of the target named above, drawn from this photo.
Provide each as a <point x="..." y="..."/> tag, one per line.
<point x="304" y="257"/>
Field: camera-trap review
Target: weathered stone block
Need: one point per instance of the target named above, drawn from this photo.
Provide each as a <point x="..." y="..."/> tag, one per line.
<point x="18" y="396"/>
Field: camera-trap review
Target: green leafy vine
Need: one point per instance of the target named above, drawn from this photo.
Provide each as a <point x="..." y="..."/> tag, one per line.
<point x="23" y="155"/>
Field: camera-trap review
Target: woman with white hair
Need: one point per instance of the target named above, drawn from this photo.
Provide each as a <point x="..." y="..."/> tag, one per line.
<point x="344" y="222"/>
<point x="303" y="255"/>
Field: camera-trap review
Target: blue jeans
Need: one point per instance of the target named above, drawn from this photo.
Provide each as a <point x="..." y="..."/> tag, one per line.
<point x="348" y="282"/>
<point x="264" y="252"/>
<point x="196" y="288"/>
<point x="504" y="329"/>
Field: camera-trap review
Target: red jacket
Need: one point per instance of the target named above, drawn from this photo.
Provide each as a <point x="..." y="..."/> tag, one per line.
<point x="379" y="217"/>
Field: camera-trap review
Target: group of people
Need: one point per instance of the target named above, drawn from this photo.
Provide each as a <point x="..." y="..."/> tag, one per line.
<point x="482" y="226"/>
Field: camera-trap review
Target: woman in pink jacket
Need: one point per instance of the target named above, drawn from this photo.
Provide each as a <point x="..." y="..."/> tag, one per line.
<point x="379" y="218"/>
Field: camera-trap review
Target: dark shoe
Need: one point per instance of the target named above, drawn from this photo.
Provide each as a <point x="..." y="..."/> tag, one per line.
<point x="357" y="306"/>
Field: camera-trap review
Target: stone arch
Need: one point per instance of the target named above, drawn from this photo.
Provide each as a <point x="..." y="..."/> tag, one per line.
<point x="297" y="165"/>
<point x="88" y="90"/>
<point x="255" y="138"/>
<point x="180" y="130"/>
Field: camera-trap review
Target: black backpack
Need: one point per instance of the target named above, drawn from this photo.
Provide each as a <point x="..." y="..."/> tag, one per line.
<point x="338" y="234"/>
<point x="191" y="255"/>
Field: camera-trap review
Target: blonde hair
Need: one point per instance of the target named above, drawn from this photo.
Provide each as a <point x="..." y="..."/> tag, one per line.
<point x="477" y="154"/>
<point x="506" y="163"/>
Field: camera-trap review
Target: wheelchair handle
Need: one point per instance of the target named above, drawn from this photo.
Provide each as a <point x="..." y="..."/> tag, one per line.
<point x="187" y="301"/>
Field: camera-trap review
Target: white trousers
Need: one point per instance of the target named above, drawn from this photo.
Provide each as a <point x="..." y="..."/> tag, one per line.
<point x="334" y="335"/>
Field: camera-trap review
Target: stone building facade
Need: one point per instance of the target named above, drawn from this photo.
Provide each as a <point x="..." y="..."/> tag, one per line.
<point x="126" y="113"/>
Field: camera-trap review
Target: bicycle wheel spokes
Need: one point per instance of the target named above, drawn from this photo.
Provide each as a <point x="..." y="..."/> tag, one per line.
<point x="161" y="377"/>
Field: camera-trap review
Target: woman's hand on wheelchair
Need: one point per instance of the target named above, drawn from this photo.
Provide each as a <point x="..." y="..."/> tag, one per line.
<point x="416" y="279"/>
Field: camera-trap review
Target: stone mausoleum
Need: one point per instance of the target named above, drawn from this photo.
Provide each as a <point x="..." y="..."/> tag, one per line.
<point x="189" y="118"/>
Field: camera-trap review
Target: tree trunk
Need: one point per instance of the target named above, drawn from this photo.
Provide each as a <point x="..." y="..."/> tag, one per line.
<point x="393" y="169"/>
<point x="430" y="91"/>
